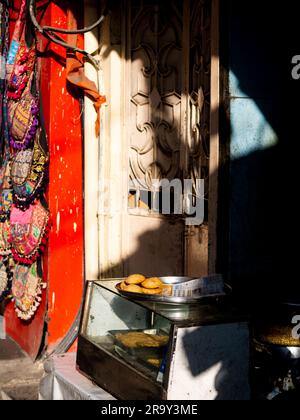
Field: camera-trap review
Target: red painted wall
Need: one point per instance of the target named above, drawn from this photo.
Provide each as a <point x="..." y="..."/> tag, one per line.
<point x="64" y="262"/>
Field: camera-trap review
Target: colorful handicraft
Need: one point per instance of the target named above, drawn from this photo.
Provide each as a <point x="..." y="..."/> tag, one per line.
<point x="5" y="239"/>
<point x="5" y="184"/>
<point x="29" y="174"/>
<point x="22" y="71"/>
<point x="29" y="232"/>
<point x="23" y="107"/>
<point x="6" y="193"/>
<point x="15" y="42"/>
<point x="23" y="120"/>
<point x="24" y="220"/>
<point x="27" y="288"/>
<point x="4" y="40"/>
<point x="5" y="277"/>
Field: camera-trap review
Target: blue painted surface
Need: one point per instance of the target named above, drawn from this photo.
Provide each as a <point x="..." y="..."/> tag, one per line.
<point x="251" y="131"/>
<point x="235" y="88"/>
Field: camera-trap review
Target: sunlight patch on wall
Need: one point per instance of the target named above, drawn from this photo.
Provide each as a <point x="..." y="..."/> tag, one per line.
<point x="251" y="132"/>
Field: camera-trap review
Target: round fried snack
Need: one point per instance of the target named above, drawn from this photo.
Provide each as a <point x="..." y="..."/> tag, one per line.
<point x="135" y="279"/>
<point x="152" y="283"/>
<point x="123" y="285"/>
<point x="157" y="291"/>
<point x="154" y="362"/>
<point x="133" y="288"/>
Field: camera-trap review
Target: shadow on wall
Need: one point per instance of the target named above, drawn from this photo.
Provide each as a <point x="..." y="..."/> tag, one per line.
<point x="259" y="209"/>
<point x="157" y="244"/>
<point x="220" y="355"/>
<point x="256" y="243"/>
<point x="257" y="252"/>
<point x="263" y="182"/>
<point x="260" y="197"/>
<point x="262" y="188"/>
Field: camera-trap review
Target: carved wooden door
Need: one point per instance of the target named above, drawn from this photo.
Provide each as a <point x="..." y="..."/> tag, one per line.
<point x="156" y="73"/>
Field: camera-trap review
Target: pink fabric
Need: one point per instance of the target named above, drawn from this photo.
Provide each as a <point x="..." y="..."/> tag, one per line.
<point x="21" y="217"/>
<point x="29" y="231"/>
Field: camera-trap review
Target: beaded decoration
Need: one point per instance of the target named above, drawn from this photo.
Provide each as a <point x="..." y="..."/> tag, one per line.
<point x="6" y="274"/>
<point x="27" y="286"/>
<point x="23" y="119"/>
<point x="5" y="239"/>
<point x="29" y="232"/>
<point x="23" y="106"/>
<point x="29" y="174"/>
<point x="24" y="225"/>
<point x="6" y="192"/>
<point x="21" y="166"/>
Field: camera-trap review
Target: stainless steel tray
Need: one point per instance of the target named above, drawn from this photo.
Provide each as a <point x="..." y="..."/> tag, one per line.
<point x="172" y="300"/>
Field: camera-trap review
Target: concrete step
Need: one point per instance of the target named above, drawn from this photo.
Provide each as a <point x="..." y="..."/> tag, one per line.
<point x="19" y="376"/>
<point x="26" y="391"/>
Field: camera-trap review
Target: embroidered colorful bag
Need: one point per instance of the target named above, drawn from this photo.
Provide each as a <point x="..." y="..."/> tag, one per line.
<point x="27" y="286"/>
<point x="29" y="173"/>
<point x="6" y="193"/>
<point x="21" y="165"/>
<point x="22" y="71"/>
<point x="5" y="277"/>
<point x="23" y="119"/>
<point x="29" y="231"/>
<point x="21" y="90"/>
<point x="5" y="239"/>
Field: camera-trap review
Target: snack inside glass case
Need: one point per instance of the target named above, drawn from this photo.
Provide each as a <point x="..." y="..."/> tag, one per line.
<point x="128" y="331"/>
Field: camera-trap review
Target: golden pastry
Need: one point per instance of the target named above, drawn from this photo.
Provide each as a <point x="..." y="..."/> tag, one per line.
<point x="140" y="339"/>
<point x="135" y="279"/>
<point x="157" y="291"/>
<point x="133" y="288"/>
<point x="154" y="362"/>
<point x="123" y="285"/>
<point x="152" y="283"/>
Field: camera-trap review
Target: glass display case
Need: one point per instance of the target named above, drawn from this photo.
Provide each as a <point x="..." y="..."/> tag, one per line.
<point x="150" y="351"/>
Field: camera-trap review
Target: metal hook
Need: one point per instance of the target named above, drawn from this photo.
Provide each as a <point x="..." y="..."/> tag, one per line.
<point x="50" y="33"/>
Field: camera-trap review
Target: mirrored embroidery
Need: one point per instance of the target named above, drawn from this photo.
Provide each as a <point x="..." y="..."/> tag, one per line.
<point x="29" y="231"/>
<point x="27" y="288"/>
